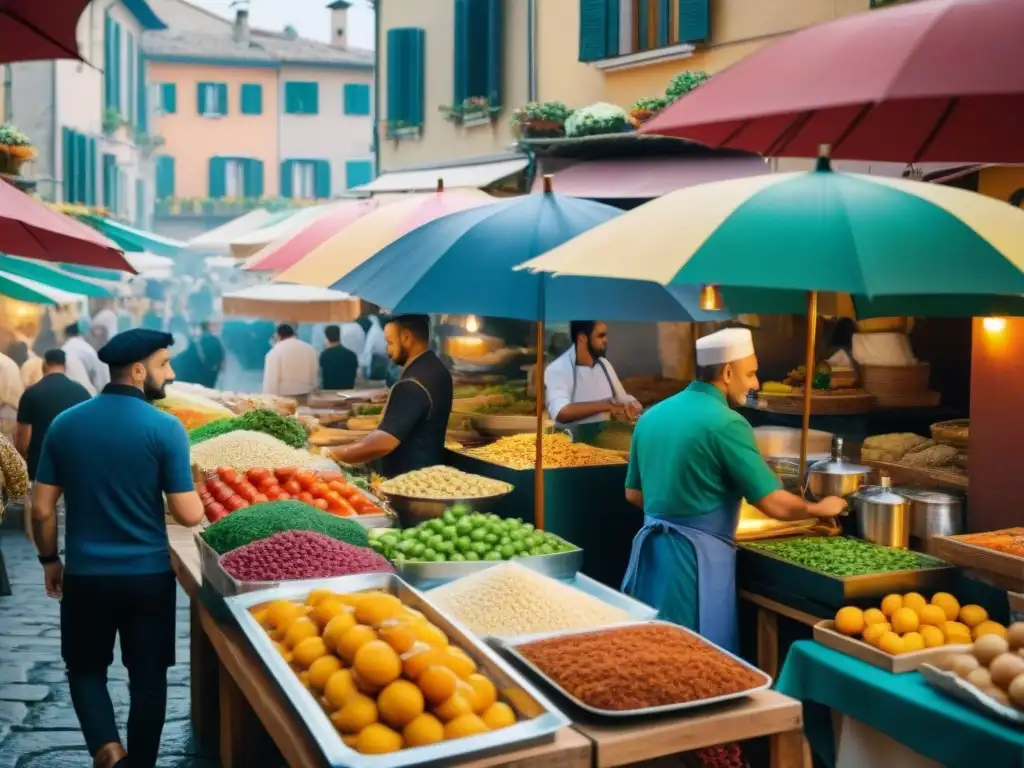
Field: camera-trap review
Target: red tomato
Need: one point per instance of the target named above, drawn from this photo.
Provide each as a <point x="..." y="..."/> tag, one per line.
<point x="284" y="473"/>
<point x="267" y="482"/>
<point x="292" y="486"/>
<point x="332" y="498"/>
<point x="306" y="478"/>
<point x="235" y="503"/>
<point x="223" y="493"/>
<point x="228" y="475"/>
<point x="272" y="492"/>
<point x="320" y="504"/>
<point x="305" y="497"/>
<point x="347" y="510"/>
<point x="329" y="477"/>
<point x="257" y="474"/>
<point x="337" y="486"/>
<point x="283" y="496"/>
<point x="201" y="488"/>
<point x="248" y="493"/>
<point x="319" y="490"/>
<point x="215" y="512"/>
<point x="259" y="498"/>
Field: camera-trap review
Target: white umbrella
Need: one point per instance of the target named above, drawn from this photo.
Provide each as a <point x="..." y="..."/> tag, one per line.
<point x="244" y="246"/>
<point x="221" y="262"/>
<point x="149" y="264"/>
<point x="219" y="239"/>
<point x="292" y="303"/>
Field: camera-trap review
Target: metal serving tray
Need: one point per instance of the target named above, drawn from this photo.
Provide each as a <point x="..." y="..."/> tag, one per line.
<point x="511" y="647"/>
<point x="541" y="720"/>
<point x="562" y="566"/>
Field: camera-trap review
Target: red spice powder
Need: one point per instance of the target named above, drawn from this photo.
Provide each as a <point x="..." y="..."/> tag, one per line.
<point x="652" y="665"/>
<point x="294" y="555"/>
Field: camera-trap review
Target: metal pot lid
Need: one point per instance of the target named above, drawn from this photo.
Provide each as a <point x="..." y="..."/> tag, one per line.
<point x="838" y="467"/>
<point x="880" y="494"/>
<point x="933" y="497"/>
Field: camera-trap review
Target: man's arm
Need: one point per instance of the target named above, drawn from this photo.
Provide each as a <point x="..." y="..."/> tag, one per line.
<point x="633" y="409"/>
<point x="407" y="405"/>
<point x="176" y="480"/>
<point x="558" y="397"/>
<point x="44" y="517"/>
<point x="374" y="446"/>
<point x="22" y="438"/>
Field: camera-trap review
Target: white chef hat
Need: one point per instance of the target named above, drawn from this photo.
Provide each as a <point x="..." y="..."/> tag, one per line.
<point x="725" y="346"/>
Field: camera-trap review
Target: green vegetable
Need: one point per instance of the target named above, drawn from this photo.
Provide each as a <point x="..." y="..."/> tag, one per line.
<point x="842" y="557"/>
<point x="261" y="521"/>
<point x="284" y="428"/>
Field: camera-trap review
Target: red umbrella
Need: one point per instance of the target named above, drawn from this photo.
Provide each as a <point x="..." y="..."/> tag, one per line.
<point x="34" y="30"/>
<point x="30" y="229"/>
<point x="932" y="81"/>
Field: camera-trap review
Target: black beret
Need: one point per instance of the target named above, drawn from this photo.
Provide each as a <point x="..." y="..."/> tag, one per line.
<point x="134" y="346"/>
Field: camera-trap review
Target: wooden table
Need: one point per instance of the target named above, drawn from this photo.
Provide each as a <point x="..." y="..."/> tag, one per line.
<point x="237" y="707"/>
<point x="768" y="612"/>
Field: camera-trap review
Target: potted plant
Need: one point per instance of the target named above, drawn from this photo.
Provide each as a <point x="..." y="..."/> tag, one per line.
<point x="539" y="119"/>
<point x="475" y="109"/>
<point x="647" y="107"/>
<point x="15" y="149"/>
<point x="597" y="119"/>
<point x="112" y="121"/>
<point x="683" y="83"/>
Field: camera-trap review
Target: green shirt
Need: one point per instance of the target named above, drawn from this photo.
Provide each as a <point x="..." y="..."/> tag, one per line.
<point x="693" y="453"/>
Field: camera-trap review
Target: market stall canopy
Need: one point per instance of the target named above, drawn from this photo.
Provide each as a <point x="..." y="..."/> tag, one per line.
<point x="900" y="247"/>
<point x="361" y="239"/>
<point x="31" y="230"/>
<point x="149" y="264"/>
<point x="132" y="239"/>
<point x="53" y="276"/>
<point x="221" y="262"/>
<point x="23" y="289"/>
<point x="219" y="239"/>
<point x="246" y="245"/>
<point x="474" y="175"/>
<point x="294" y="246"/>
<point x="943" y="82"/>
<point x="292" y="303"/>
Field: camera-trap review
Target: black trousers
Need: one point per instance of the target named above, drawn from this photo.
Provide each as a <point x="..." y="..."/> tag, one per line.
<point x="140" y="611"/>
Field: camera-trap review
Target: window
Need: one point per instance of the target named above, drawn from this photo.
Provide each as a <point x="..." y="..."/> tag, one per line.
<point x="235" y="177"/>
<point x="610" y="28"/>
<point x="111" y="179"/>
<point x="130" y="85"/>
<point x="405" y="70"/>
<point x="164" y="177"/>
<point x="301" y="98"/>
<point x="167" y="98"/>
<point x="252" y="99"/>
<point x="142" y="92"/>
<point x="306" y="179"/>
<point x="358" y="173"/>
<point x="79" y="161"/>
<point x="111" y="63"/>
<point x="477" y="64"/>
<point x="356" y="98"/>
<point x="212" y="99"/>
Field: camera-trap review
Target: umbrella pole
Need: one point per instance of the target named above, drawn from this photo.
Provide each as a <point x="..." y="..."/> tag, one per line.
<point x="812" y="327"/>
<point x="538" y="466"/>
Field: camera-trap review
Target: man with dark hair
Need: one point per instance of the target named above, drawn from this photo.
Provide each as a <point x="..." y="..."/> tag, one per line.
<point x="411" y="433"/>
<point x="115" y="459"/>
<point x="581" y="386"/>
<point x="338" y="363"/>
<point x="291" y="367"/>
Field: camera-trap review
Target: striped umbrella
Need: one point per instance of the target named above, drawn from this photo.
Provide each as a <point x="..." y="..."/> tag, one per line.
<point x="53" y="276"/>
<point x="24" y="289"/>
<point x="295" y="244"/>
<point x="900" y="247"/>
<point x="338" y="255"/>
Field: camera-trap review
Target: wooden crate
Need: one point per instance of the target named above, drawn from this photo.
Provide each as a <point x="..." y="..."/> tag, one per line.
<point x="895" y="380"/>
<point x="1006" y="570"/>
<point x="825" y="633"/>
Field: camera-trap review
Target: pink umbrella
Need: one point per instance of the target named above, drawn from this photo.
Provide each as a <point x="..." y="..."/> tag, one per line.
<point x="31" y="230"/>
<point x="283" y="253"/>
<point x="34" y="30"/>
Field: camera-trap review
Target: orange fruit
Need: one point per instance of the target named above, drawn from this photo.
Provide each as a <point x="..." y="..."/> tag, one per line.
<point x="325" y="610"/>
<point x="377" y="663"/>
<point x="437" y="683"/>
<point x="321" y="670"/>
<point x="301" y="629"/>
<point x="280" y="615"/>
<point x="913" y="641"/>
<point x="932" y="636"/>
<point x="359" y="711"/>
<point x="400" y="703"/>
<point x="377" y="739"/>
<point x="316" y="595"/>
<point x="453" y="707"/>
<point x="932" y="615"/>
<point x="376" y="607"/>
<point x="463" y="726"/>
<point x="850" y="620"/>
<point x="914" y="601"/>
<point x="340" y="687"/>
<point x="905" y="620"/>
<point x="308" y="651"/>
<point x="353" y="640"/>
<point x="486" y="693"/>
<point x="429" y="634"/>
<point x="498" y="715"/>
<point x="874" y="616"/>
<point x="891" y="604"/>
<point x="423" y="730"/>
<point x="336" y="629"/>
<point x="949" y="605"/>
<point x="891" y="643"/>
<point x="988" y="628"/>
<point x="365" y="686"/>
<point x="873" y="632"/>
<point x="459" y="661"/>
<point x="398" y="634"/>
<point x="973" y="615"/>
<point x="419" y="657"/>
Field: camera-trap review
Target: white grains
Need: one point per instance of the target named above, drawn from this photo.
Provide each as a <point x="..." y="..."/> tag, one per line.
<point x="244" y="450"/>
<point x="509" y="600"/>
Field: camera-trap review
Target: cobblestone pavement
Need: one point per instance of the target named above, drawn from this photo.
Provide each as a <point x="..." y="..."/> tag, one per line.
<point x="38" y="728"/>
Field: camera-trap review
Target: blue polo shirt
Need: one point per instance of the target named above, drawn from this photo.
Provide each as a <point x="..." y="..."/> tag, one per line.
<point x="114" y="457"/>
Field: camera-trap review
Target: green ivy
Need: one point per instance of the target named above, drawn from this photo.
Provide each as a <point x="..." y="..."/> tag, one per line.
<point x="683" y="83"/>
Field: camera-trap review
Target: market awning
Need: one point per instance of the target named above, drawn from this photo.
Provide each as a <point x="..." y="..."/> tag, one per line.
<point x="643" y="177"/>
<point x="280" y="225"/>
<point x="149" y="264"/>
<point x="132" y="239"/>
<point x="476" y="175"/>
<point x="23" y="289"/>
<point x="53" y="276"/>
<point x="219" y="239"/>
<point x="292" y="303"/>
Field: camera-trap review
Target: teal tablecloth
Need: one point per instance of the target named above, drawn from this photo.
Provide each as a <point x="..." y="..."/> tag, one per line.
<point x="903" y="707"/>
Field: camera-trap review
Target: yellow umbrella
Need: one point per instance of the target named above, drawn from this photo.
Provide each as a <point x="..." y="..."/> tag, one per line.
<point x="330" y="261"/>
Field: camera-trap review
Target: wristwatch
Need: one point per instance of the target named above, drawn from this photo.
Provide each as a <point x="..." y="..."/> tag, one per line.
<point x="49" y="559"/>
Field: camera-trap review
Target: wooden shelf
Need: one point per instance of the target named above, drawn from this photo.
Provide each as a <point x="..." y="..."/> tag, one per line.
<point x="901" y="474"/>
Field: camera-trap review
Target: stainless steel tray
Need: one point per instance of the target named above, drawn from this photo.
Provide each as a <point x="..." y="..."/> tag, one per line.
<point x="511" y="647"/>
<point x="219" y="580"/>
<point x="412" y="510"/>
<point x="562" y="566"/>
<point x="541" y="720"/>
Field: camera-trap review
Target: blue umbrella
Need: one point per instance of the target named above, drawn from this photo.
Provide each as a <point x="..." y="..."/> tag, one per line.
<point x="464" y="263"/>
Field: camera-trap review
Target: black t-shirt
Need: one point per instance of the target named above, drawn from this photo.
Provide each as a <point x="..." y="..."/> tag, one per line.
<point x="338" y="368"/>
<point x="417" y="415"/>
<point x="43" y="402"/>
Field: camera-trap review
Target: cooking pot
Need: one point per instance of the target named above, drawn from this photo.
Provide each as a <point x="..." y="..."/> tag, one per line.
<point x="883" y="516"/>
<point x="835" y="476"/>
<point x="933" y="513"/>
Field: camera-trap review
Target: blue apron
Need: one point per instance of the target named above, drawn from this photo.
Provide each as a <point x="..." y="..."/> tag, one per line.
<point x="712" y="537"/>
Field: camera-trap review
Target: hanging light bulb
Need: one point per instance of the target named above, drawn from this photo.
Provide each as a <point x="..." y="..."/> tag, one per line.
<point x="710" y="298"/>
<point x="472" y="324"/>
<point x="994" y="324"/>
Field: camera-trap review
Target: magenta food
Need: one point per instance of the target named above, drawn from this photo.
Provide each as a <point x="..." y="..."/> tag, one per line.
<point x="293" y="555"/>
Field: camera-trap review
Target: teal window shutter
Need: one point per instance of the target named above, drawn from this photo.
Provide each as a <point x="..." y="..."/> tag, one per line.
<point x="222" y="98"/>
<point x="164" y="177"/>
<point x="286" y="179"/>
<point x="252" y="99"/>
<point x="253" y="170"/>
<point x="201" y="97"/>
<point x="81" y="166"/>
<point x="356" y="98"/>
<point x="478" y="50"/>
<point x="396" y="77"/>
<point x="217" y="186"/>
<point x="492" y="68"/>
<point x="358" y="173"/>
<point x="108" y="60"/>
<point x="694" y="21"/>
<point x="90" y="172"/>
<point x="131" y="83"/>
<point x="406" y="52"/>
<point x="599" y="29"/>
<point x="461" y="67"/>
<point x="664" y="22"/>
<point x="322" y="179"/>
<point x="416" y="56"/>
<point x="313" y="99"/>
<point x="301" y="98"/>
<point x="109" y="182"/>
<point x="140" y="203"/>
<point x="117" y="67"/>
<point x="168" y="98"/>
<point x="142" y="94"/>
<point x="67" y="148"/>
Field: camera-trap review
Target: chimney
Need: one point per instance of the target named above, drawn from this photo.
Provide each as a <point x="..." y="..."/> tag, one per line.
<point x="339" y="23"/>
<point x="240" y="31"/>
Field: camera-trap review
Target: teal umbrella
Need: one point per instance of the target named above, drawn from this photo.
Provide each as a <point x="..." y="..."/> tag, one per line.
<point x="132" y="239"/>
<point x="52" y="276"/>
<point x="24" y="289"/>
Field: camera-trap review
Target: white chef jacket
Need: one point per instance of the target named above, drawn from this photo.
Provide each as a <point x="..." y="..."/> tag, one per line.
<point x="79" y="348"/>
<point x="566" y="382"/>
<point x="376" y="344"/>
<point x="291" y="368"/>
